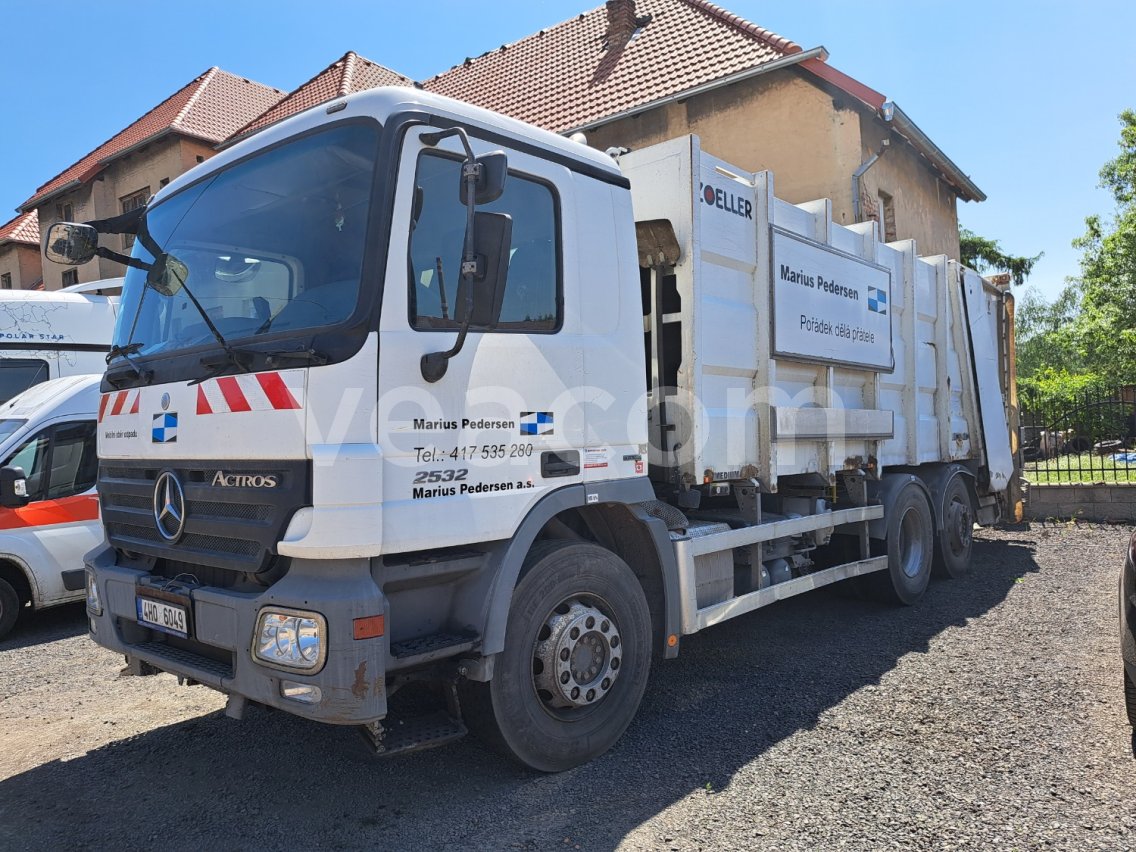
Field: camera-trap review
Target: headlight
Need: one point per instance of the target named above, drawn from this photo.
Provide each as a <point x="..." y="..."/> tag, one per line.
<point x="94" y="605"/>
<point x="290" y="639"/>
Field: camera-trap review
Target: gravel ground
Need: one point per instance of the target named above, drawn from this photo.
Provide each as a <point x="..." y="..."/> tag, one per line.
<point x="988" y="716"/>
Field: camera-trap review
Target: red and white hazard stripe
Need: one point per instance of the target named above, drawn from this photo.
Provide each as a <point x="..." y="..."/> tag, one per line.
<point x="119" y="402"/>
<point x="251" y="392"/>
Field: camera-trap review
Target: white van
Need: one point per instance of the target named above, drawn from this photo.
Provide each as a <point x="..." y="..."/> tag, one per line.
<point x="59" y="333"/>
<point x="47" y="440"/>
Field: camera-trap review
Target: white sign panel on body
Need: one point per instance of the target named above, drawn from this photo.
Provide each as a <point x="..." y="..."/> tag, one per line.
<point x="829" y="306"/>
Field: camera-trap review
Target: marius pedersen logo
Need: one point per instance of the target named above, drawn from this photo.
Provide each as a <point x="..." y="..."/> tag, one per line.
<point x="165" y="429"/>
<point x="877" y="300"/>
<point x="536" y="422"/>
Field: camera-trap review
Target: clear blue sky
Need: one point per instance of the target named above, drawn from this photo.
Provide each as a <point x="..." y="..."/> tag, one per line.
<point x="1022" y="95"/>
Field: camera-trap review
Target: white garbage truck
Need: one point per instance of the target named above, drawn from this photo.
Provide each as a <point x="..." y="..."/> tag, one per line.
<point x="407" y="393"/>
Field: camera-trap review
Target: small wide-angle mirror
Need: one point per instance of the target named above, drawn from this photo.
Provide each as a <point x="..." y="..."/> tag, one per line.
<point x="168" y="275"/>
<point x="70" y="243"/>
<point x="491" y="181"/>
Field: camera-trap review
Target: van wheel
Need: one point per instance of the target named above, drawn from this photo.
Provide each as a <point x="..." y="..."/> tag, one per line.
<point x="9" y="608"/>
<point x="910" y="537"/>
<point x="574" y="669"/>
<point x="955" y="540"/>
<point x="1130" y="699"/>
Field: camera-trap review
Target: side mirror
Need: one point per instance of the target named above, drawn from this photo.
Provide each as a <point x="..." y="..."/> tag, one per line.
<point x="70" y="244"/>
<point x="494" y="168"/>
<point x="493" y="237"/>
<point x="13" y="488"/>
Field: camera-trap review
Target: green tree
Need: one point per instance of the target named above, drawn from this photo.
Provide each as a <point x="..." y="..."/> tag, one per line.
<point x="1106" y="324"/>
<point x="1047" y="333"/>
<point x="986" y="255"/>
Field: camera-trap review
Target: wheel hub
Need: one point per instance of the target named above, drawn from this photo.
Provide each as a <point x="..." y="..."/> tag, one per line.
<point x="577" y="662"/>
<point x="959" y="525"/>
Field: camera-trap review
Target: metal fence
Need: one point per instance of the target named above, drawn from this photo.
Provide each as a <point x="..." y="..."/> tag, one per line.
<point x="1090" y="438"/>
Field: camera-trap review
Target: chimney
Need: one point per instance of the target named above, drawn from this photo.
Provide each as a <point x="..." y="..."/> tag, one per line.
<point x="621" y="22"/>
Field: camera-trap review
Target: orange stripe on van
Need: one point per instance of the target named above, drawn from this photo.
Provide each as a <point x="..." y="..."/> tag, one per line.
<point x="45" y="513"/>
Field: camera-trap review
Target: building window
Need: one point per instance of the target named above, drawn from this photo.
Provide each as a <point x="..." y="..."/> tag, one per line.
<point x="531" y="300"/>
<point x="887" y="218"/>
<point x="200" y="159"/>
<point x="133" y="202"/>
<point x="70" y="277"/>
<point x="65" y="212"/>
<point x="163" y="182"/>
<point x="6" y="281"/>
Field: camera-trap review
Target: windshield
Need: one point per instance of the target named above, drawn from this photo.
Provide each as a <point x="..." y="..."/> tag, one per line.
<point x="272" y="244"/>
<point x="9" y="427"/>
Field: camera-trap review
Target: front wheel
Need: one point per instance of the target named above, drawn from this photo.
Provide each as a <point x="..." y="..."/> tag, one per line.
<point x="574" y="669"/>
<point x="9" y="608"/>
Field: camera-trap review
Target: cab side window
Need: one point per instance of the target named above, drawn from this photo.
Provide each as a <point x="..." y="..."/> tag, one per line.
<point x="532" y="299"/>
<point x="59" y="461"/>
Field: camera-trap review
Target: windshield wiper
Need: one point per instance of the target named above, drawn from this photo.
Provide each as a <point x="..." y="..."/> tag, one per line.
<point x="116" y="375"/>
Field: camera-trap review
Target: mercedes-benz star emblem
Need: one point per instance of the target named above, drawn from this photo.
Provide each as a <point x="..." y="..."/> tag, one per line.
<point x="169" y="506"/>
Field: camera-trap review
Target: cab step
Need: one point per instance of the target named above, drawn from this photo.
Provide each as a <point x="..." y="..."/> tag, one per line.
<point x="425" y="649"/>
<point x="402" y="736"/>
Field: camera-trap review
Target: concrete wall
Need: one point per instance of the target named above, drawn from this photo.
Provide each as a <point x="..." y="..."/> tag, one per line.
<point x="22" y="262"/>
<point x="812" y="140"/>
<point x="144" y="169"/>
<point x="1115" y="502"/>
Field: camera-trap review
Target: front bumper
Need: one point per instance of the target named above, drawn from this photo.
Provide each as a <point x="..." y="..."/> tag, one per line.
<point x="352" y="681"/>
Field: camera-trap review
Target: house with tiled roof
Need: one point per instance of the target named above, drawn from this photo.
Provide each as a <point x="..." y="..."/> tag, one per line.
<point x="20" y="266"/>
<point x="349" y="74"/>
<point x="123" y="172"/>
<point x="635" y="72"/>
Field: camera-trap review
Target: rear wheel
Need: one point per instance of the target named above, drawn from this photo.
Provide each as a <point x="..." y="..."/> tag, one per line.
<point x="955" y="539"/>
<point x="910" y="537"/>
<point x="577" y="654"/>
<point x="9" y="608"/>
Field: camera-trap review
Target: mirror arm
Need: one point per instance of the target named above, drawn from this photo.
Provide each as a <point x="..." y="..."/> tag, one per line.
<point x="434" y="364"/>
<point x="122" y="258"/>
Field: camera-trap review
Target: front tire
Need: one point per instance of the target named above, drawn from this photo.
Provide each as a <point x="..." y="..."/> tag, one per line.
<point x="575" y="665"/>
<point x="9" y="608"/>
<point x="1130" y="699"/>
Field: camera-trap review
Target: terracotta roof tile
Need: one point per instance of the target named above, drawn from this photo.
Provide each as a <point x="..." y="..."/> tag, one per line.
<point x="567" y="76"/>
<point x="23" y="229"/>
<point x="348" y="74"/>
<point x="210" y="107"/>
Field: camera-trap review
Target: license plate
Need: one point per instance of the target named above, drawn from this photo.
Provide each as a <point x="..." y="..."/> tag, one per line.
<point x="163" y="616"/>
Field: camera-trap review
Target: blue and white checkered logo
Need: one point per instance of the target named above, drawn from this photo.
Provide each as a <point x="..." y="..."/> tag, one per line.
<point x="877" y="300"/>
<point x="165" y="429"/>
<point x="536" y="422"/>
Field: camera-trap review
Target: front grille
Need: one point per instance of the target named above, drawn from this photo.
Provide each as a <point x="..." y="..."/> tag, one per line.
<point x="231" y="528"/>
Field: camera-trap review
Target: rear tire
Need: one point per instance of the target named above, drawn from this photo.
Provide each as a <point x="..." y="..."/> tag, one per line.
<point x="575" y="665"/>
<point x="955" y="539"/>
<point x="9" y="608"/>
<point x="909" y="543"/>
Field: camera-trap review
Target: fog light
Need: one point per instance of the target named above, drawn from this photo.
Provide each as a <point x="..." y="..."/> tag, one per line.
<point x="290" y="639"/>
<point x="94" y="605"/>
<point x="303" y="692"/>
